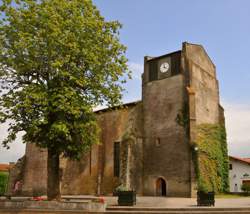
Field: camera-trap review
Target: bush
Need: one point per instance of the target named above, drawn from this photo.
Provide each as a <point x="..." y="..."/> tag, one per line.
<point x="3" y="182"/>
<point x="121" y="188"/>
<point x="246" y="188"/>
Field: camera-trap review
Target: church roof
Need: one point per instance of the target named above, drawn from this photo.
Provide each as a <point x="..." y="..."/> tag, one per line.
<point x="162" y="56"/>
<point x="117" y="107"/>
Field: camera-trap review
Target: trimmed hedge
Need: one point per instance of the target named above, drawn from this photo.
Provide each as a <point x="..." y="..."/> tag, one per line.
<point x="211" y="159"/>
<point x="3" y="182"/>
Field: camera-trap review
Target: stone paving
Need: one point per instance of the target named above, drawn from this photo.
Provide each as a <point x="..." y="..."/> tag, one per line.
<point x="182" y="202"/>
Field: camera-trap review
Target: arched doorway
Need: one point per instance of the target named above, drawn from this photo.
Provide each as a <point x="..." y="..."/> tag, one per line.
<point x="161" y="187"/>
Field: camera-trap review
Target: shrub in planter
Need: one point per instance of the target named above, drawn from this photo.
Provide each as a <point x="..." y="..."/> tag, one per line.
<point x="205" y="198"/>
<point x="126" y="197"/>
<point x="246" y="188"/>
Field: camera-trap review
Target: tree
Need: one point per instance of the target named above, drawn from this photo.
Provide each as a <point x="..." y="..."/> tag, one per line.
<point x="59" y="58"/>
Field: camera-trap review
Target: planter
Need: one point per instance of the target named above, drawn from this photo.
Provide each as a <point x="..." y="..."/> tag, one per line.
<point x="126" y="198"/>
<point x="205" y="198"/>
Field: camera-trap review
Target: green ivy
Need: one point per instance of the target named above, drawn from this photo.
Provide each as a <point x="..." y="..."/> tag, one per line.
<point x="211" y="159"/>
<point x="3" y="182"/>
<point x="182" y="117"/>
<point x="246" y="188"/>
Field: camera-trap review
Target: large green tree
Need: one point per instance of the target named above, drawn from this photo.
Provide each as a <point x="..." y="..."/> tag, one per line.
<point x="58" y="59"/>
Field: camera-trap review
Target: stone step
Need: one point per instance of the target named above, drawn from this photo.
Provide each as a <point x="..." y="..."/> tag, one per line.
<point x="123" y="208"/>
<point x="195" y="210"/>
<point x="41" y="211"/>
<point x="180" y="212"/>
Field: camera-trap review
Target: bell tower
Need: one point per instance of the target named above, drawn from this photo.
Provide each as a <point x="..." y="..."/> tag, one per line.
<point x="166" y="150"/>
<point x="179" y="93"/>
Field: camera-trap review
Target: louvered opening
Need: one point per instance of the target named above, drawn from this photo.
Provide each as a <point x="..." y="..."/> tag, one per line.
<point x="153" y="70"/>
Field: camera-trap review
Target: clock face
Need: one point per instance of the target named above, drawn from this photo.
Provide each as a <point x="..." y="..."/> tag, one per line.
<point x="164" y="67"/>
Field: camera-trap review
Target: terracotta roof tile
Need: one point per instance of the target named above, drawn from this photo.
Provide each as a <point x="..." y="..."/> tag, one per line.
<point x="245" y="160"/>
<point x="4" y="167"/>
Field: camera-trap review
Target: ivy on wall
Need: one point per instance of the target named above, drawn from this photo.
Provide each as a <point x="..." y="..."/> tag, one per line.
<point x="3" y="182"/>
<point x="211" y="158"/>
<point x="182" y="117"/>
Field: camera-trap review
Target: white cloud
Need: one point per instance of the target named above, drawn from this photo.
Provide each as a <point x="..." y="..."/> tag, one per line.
<point x="16" y="150"/>
<point x="238" y="128"/>
<point x="137" y="70"/>
<point x="133" y="86"/>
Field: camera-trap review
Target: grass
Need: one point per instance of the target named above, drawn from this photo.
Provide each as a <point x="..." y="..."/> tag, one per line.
<point x="231" y="196"/>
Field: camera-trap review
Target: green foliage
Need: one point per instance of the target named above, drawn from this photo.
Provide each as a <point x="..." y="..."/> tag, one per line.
<point x="3" y="182"/>
<point x="182" y="117"/>
<point x="246" y="188"/>
<point x="122" y="188"/>
<point x="212" y="158"/>
<point x="59" y="59"/>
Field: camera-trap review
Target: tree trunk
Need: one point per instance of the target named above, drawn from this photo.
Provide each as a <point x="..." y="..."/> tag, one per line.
<point x="53" y="188"/>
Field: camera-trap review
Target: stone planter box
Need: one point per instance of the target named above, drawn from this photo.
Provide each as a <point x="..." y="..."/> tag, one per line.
<point x="126" y="198"/>
<point x="205" y="198"/>
<point x="88" y="206"/>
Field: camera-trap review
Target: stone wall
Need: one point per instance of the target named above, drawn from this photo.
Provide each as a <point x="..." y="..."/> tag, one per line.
<point x="166" y="153"/>
<point x="31" y="170"/>
<point x="94" y="173"/>
<point x="16" y="173"/>
<point x="202" y="80"/>
<point x="35" y="171"/>
<point x="118" y="126"/>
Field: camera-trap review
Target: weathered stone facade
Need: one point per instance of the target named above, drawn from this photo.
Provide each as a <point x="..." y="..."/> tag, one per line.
<point x="146" y="145"/>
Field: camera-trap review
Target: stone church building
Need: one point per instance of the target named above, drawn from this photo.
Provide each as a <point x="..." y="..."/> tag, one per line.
<point x="145" y="145"/>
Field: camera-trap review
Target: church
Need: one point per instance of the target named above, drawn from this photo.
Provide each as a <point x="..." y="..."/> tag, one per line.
<point x="146" y="145"/>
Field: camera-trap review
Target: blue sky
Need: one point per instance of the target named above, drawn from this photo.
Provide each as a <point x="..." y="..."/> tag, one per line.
<point x="156" y="27"/>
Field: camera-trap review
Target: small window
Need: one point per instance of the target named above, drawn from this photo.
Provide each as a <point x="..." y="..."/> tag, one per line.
<point x="246" y="175"/>
<point x="157" y="142"/>
<point x="230" y="166"/>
